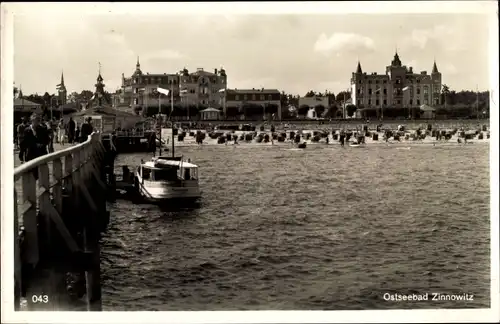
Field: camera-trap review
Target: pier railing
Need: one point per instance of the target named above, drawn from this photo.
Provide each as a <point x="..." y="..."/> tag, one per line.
<point x="41" y="191"/>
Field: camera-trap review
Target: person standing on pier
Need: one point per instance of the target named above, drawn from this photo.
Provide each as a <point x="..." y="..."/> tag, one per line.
<point x="71" y="130"/>
<point x="86" y="130"/>
<point x="20" y="131"/>
<point x="35" y="140"/>
<point x="50" y="132"/>
<point x="61" y="131"/>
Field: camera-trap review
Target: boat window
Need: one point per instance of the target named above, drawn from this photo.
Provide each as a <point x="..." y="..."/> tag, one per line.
<point x="146" y="173"/>
<point x="165" y="174"/>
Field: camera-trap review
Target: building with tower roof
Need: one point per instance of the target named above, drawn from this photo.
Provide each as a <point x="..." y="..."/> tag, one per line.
<point x="200" y="88"/>
<point x="100" y="98"/>
<point x="399" y="87"/>
<point x="62" y="93"/>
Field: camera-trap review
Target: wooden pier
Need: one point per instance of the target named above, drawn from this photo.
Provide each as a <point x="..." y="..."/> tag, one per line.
<point x="59" y="215"/>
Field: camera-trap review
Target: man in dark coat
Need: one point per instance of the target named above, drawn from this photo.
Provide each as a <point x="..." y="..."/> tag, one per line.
<point x="71" y="130"/>
<point x="86" y="130"/>
<point x="35" y="141"/>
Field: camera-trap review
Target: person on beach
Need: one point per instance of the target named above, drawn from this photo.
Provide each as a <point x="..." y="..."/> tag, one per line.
<point x="35" y="140"/>
<point x="86" y="130"/>
<point x="71" y="130"/>
<point x="20" y="132"/>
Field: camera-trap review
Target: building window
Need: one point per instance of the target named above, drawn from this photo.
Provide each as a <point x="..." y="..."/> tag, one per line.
<point x="418" y="80"/>
<point x="236" y="97"/>
<point x="359" y="91"/>
<point x="385" y="90"/>
<point x="418" y="102"/>
<point x="369" y="102"/>
<point x="426" y="102"/>
<point x="245" y="97"/>
<point x="270" y="97"/>
<point x="136" y="101"/>
<point x="398" y="81"/>
<point x="262" y="97"/>
<point x="426" y="90"/>
<point x="418" y="91"/>
<point x="411" y="102"/>
<point x="436" y="101"/>
<point x="370" y="81"/>
<point x="370" y="91"/>
<point x="253" y="97"/>
<point x="398" y="102"/>
<point x="359" y="102"/>
<point x="359" y="82"/>
<point x="385" y="81"/>
<point x="376" y="81"/>
<point x="377" y="102"/>
<point x="385" y="102"/>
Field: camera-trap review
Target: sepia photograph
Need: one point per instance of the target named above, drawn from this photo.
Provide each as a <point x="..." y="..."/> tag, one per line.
<point x="244" y="157"/>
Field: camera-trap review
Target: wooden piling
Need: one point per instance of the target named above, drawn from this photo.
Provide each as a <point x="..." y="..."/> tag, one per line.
<point x="61" y="225"/>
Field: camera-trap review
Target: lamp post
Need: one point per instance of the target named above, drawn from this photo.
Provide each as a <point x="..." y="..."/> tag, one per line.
<point x="52" y="107"/>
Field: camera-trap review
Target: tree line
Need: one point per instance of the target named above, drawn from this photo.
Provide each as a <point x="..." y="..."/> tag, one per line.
<point x="453" y="103"/>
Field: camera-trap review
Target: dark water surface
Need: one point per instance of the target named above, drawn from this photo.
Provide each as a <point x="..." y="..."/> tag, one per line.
<point x="321" y="228"/>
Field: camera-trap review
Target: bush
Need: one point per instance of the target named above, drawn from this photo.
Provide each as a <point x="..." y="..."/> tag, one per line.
<point x="297" y="138"/>
<point x="275" y="136"/>
<point x="221" y="140"/>
<point x="259" y="138"/>
<point x="191" y="134"/>
<point x="315" y="138"/>
<point x="228" y="136"/>
<point x="266" y="138"/>
<point x="281" y="138"/>
<point x="262" y="128"/>
<point x="180" y="137"/>
<point x="292" y="135"/>
<point x="248" y="137"/>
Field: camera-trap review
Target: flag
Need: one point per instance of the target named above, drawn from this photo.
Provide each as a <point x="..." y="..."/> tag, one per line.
<point x="184" y="91"/>
<point x="222" y="90"/>
<point x="93" y="97"/>
<point x="378" y="90"/>
<point x="406" y="88"/>
<point x="164" y="91"/>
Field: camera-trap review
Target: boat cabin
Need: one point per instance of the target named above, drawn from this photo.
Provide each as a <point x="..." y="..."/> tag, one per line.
<point x="168" y="170"/>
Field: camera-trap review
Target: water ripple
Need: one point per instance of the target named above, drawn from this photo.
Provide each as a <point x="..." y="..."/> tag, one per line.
<point x="310" y="229"/>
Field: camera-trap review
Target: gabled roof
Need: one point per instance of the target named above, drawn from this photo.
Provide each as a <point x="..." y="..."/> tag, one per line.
<point x="210" y="110"/>
<point x="24" y="102"/>
<point x="202" y="72"/>
<point x="104" y="111"/>
<point x="426" y="108"/>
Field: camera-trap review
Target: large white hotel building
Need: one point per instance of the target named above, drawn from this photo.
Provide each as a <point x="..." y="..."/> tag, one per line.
<point x="399" y="87"/>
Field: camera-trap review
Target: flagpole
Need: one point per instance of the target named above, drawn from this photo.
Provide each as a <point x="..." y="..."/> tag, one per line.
<point x="159" y="117"/>
<point x="171" y="120"/>
<point x="477" y="102"/>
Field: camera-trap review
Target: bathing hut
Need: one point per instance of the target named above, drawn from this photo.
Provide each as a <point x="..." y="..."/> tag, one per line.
<point x="210" y="114"/>
<point x="427" y="112"/>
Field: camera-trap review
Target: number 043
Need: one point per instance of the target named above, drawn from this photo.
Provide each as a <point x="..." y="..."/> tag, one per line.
<point x="39" y="299"/>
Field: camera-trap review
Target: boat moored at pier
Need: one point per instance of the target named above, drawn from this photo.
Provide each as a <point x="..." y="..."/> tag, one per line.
<point x="167" y="178"/>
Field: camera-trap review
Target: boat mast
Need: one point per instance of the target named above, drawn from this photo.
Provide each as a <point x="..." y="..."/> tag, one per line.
<point x="159" y="116"/>
<point x="171" y="120"/>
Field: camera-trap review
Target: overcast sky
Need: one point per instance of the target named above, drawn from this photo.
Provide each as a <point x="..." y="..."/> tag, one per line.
<point x="294" y="53"/>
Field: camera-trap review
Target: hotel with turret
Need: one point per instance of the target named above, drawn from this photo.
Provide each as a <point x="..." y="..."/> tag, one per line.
<point x="399" y="87"/>
<point x="199" y="88"/>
